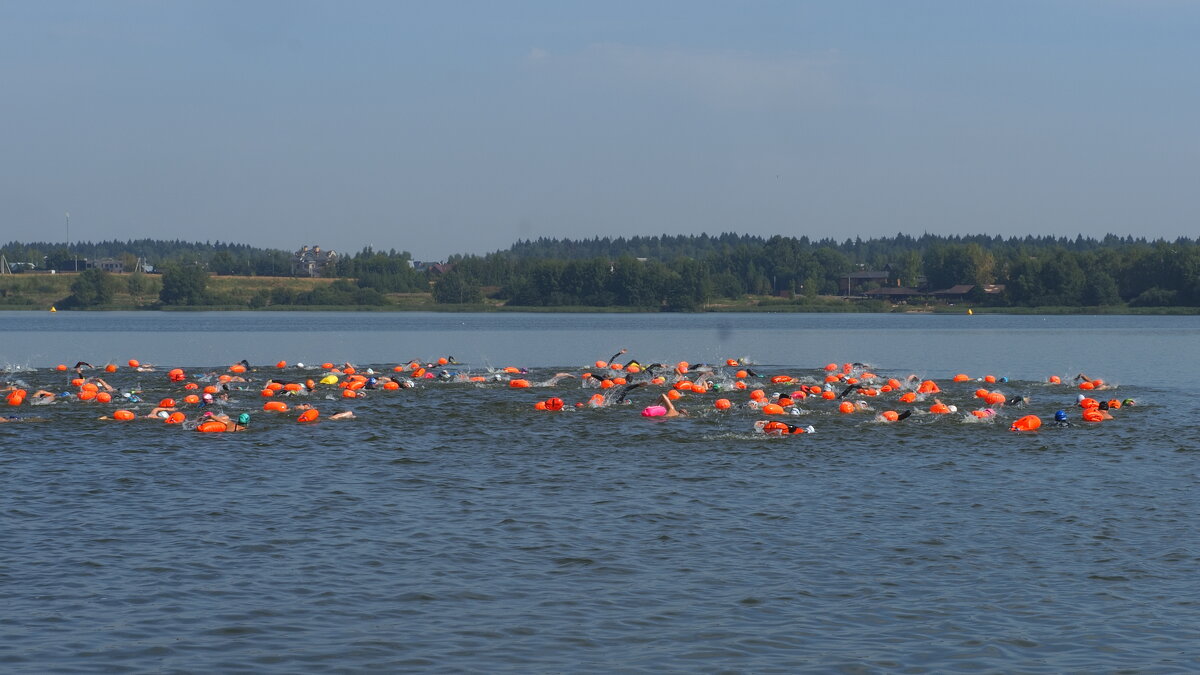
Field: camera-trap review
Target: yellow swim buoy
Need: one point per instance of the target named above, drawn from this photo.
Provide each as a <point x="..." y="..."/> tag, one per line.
<point x="52" y="308"/>
<point x="970" y="312"/>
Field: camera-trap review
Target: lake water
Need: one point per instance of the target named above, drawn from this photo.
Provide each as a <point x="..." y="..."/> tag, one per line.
<point x="451" y="527"/>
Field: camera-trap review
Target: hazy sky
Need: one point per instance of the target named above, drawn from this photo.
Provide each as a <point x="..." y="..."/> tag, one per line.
<point x="444" y="127"/>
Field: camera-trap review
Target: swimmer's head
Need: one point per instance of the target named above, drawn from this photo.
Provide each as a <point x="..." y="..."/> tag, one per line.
<point x="1079" y="398"/>
<point x="1128" y="401"/>
<point x="299" y="365"/>
<point x="952" y="408"/>
<point x="1004" y="379"/>
<point x="163" y="414"/>
<point x="1060" y="416"/>
<point x="244" y="419"/>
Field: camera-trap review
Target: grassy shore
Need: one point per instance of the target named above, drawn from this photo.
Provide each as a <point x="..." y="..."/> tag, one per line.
<point x="40" y="292"/>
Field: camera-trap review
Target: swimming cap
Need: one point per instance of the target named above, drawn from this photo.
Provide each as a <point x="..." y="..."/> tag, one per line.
<point x="299" y="365"/>
<point x="1060" y="415"/>
<point x="1127" y="401"/>
<point x="953" y="408"/>
<point x="163" y="414"/>
<point x="1004" y="379"/>
<point x="244" y="418"/>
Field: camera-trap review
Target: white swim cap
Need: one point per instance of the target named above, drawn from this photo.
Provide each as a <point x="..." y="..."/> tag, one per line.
<point x="953" y="408"/>
<point x="299" y="365"/>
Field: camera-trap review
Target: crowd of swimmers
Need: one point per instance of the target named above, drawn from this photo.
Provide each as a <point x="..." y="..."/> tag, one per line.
<point x="849" y="388"/>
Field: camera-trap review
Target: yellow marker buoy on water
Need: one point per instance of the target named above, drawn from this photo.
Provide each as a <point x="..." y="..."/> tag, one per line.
<point x="970" y="312"/>
<point x="52" y="309"/>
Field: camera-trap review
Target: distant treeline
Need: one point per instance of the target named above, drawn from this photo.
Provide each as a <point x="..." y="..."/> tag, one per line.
<point x="684" y="272"/>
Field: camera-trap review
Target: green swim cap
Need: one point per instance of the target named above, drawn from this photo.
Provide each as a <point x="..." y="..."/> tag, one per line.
<point x="244" y="418"/>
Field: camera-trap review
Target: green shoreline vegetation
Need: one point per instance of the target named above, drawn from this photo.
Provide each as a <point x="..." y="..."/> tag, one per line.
<point x="686" y="273"/>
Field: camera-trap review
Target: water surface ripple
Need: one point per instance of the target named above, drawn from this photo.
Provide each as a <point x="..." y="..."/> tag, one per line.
<point x="452" y="528"/>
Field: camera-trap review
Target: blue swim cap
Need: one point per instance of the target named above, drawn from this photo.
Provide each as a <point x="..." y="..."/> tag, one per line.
<point x="1060" y="416"/>
<point x="244" y="418"/>
<point x="1004" y="379"/>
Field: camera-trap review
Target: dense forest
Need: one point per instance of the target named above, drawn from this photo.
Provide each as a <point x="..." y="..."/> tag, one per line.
<point x="669" y="273"/>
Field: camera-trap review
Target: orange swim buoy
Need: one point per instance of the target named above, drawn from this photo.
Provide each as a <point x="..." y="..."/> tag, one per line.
<point x="211" y="426"/>
<point x="990" y="379"/>
<point x="1054" y="379"/>
<point x="1093" y="415"/>
<point x="523" y="384"/>
<point x="890" y="415"/>
<point x="237" y="368"/>
<point x="1027" y="423"/>
<point x="908" y="397"/>
<point x="309" y="415"/>
<point x="831" y="367"/>
<point x="349" y="393"/>
<point x="167" y="403"/>
<point x="741" y="374"/>
<point x="176" y="375"/>
<point x="961" y="377"/>
<point x="995" y="398"/>
<point x="211" y="389"/>
<point x="554" y="403"/>
<point x="191" y="386"/>
<point x="281" y="364"/>
<point x="1089" y="403"/>
<point x="722" y="404"/>
<point x="674" y="395"/>
<point x="1086" y="386"/>
<point x="175" y="418"/>
<point x="540" y="405"/>
<point x="191" y="399"/>
<point x="828" y="395"/>
<point x="390" y="386"/>
<point x="275" y="406"/>
<point x="267" y="393"/>
<point x="61" y="366"/>
<point x="123" y="415"/>
<point x="110" y="368"/>
<point x="939" y="409"/>
<point x="781" y="379"/>
<point x="846" y="407"/>
<point x="772" y="409"/>
<point x="103" y="397"/>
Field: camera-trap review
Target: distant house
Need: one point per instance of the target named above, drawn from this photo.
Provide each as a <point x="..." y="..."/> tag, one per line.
<point x="312" y="262"/>
<point x="857" y="281"/>
<point x="106" y="264"/>
<point x="435" y="268"/>
<point x="956" y="292"/>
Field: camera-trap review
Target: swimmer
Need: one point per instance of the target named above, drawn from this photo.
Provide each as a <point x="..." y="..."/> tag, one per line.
<point x="847" y="390"/>
<point x="665" y="408"/>
<point x="43" y="397"/>
<point x="230" y="424"/>
<point x="1018" y="401"/>
<point x="80" y="365"/>
<point x="345" y="415"/>
<point x="22" y="418"/>
<point x="1060" y="419"/>
<point x="781" y="428"/>
<point x="554" y="380"/>
<point x="99" y="382"/>
<point x="626" y="389"/>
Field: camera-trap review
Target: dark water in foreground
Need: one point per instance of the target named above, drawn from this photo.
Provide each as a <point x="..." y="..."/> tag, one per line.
<point x="453" y="528"/>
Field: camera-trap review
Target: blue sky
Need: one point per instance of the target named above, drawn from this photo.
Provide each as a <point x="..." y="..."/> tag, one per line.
<point x="442" y="128"/>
